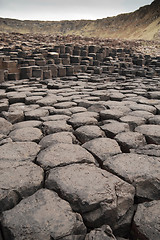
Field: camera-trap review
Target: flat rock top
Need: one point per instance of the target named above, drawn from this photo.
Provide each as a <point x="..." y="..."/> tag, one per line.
<point x="102" y="147"/>
<point x="140" y="170"/>
<point x="5" y="126"/>
<point x="93" y="138"/>
<point x="27" y="134"/>
<point x="19" y="151"/>
<point x="18" y="179"/>
<point x="61" y="154"/>
<point x="147" y="219"/>
<point x="75" y="183"/>
<point x="45" y="215"/>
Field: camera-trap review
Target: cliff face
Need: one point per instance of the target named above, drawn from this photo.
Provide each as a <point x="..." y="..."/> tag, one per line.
<point x="141" y="24"/>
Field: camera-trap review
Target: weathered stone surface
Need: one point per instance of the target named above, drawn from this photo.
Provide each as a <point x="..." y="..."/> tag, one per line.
<point x="107" y="88"/>
<point x="154" y="95"/>
<point x="36" y="114"/>
<point x="81" y="119"/>
<point x="27" y="134"/>
<point x="5" y="126"/>
<point x="128" y="140"/>
<point x="61" y="154"/>
<point x="60" y="137"/>
<point x="18" y="180"/>
<point x="124" y="224"/>
<point x="154" y="120"/>
<point x="133" y="121"/>
<point x="55" y="117"/>
<point x="112" y="128"/>
<point x="42" y="216"/>
<point x="114" y="114"/>
<point x="49" y="100"/>
<point x="32" y="99"/>
<point x="14" y="116"/>
<point x="50" y="127"/>
<point x="61" y="111"/>
<point x="144" y="114"/>
<point x="87" y="133"/>
<point x="151" y="133"/>
<point x="65" y="105"/>
<point x="96" y="108"/>
<point x="102" y="148"/>
<point x="149" y="149"/>
<point x="15" y="97"/>
<point x="140" y="170"/>
<point x="80" y="183"/>
<point x="77" y="109"/>
<point x="19" y="151"/>
<point x="103" y="233"/>
<point x="26" y="124"/>
<point x="4" y="105"/>
<point x="146" y="221"/>
<point x="4" y="139"/>
<point x="143" y="107"/>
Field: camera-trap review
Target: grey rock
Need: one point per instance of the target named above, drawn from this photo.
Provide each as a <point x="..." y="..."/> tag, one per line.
<point x="123" y="225"/>
<point x="143" y="114"/>
<point x="42" y="216"/>
<point x="79" y="185"/>
<point x="96" y="108"/>
<point x="151" y="133"/>
<point x="50" y="127"/>
<point x="133" y="121"/>
<point x="55" y="117"/>
<point x="112" y="128"/>
<point x="62" y="154"/>
<point x="26" y="124"/>
<point x="81" y="119"/>
<point x="32" y="99"/>
<point x="102" y="148"/>
<point x="14" y="116"/>
<point x="111" y="114"/>
<point x="140" y="170"/>
<point x="18" y="180"/>
<point x="36" y="114"/>
<point x="77" y="109"/>
<point x="4" y="139"/>
<point x="103" y="233"/>
<point x="4" y="105"/>
<point x="154" y="120"/>
<point x="149" y="149"/>
<point x="5" y="126"/>
<point x="61" y="112"/>
<point x="15" y="97"/>
<point x="65" y="105"/>
<point x="143" y="107"/>
<point x="19" y="151"/>
<point x="60" y="137"/>
<point x="49" y="100"/>
<point x="27" y="134"/>
<point x="154" y="95"/>
<point x="128" y="140"/>
<point x="87" y="133"/>
<point x="146" y="221"/>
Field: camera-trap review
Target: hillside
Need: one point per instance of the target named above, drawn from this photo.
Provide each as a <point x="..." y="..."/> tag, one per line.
<point x="141" y="24"/>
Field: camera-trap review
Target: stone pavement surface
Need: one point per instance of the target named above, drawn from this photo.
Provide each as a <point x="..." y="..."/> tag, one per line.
<point x="79" y="139"/>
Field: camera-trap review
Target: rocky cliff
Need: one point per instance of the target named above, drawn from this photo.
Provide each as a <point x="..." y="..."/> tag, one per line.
<point x="141" y="24"/>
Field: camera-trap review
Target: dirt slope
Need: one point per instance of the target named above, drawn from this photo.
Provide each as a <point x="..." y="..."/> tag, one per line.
<point x="141" y="24"/>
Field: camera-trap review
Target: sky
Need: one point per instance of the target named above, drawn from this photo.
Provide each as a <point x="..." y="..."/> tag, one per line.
<point x="55" y="10"/>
